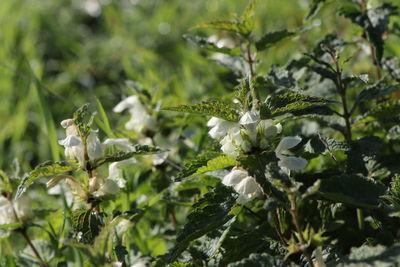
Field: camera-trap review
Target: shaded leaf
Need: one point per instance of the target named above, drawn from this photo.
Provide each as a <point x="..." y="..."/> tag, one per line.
<point x="192" y="166"/>
<point x="352" y="190"/>
<point x="271" y="38"/>
<point x="259" y="260"/>
<point x="376" y="91"/>
<point x="86" y="225"/>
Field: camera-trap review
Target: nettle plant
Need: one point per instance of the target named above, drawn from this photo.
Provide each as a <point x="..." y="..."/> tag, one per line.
<point x="296" y="167"/>
<point x="311" y="149"/>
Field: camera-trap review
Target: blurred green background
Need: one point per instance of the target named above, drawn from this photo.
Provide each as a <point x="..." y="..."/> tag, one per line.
<point x="58" y="54"/>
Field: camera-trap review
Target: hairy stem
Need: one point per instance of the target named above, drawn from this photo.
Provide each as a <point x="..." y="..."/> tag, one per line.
<point x="250" y="62"/>
<point x="277" y="222"/>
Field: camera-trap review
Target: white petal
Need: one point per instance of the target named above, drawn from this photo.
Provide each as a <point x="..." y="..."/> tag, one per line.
<point x="250" y="117"/>
<point x="70" y="140"/>
<point x="247" y="186"/>
<point x="213" y="121"/>
<point x="292" y="163"/>
<point x="66" y="123"/>
<point x="108" y="188"/>
<point x="287" y="143"/>
<point x="94" y="146"/>
<point x="128" y="102"/>
<point x="268" y="129"/>
<point x="123" y="143"/>
<point x="160" y="158"/>
<point x="234" y="177"/>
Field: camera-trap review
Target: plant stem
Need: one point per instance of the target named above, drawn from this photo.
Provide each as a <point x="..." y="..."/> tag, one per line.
<point x="346" y="115"/>
<point x="250" y="61"/>
<point x="28" y="240"/>
<point x="296" y="222"/>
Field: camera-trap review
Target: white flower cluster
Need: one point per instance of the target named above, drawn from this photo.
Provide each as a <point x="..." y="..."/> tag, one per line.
<point x="244" y="184"/>
<point x="140" y="120"/>
<point x="251" y="131"/>
<point x="74" y="149"/>
<point x="12" y="210"/>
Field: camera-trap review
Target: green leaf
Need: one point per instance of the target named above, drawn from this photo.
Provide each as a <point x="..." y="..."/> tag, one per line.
<point x="213" y="108"/>
<point x="48" y="168"/>
<point x="226" y="25"/>
<point x="194" y="164"/>
<point x="394" y="132"/>
<point x="86" y="225"/>
<point x="218" y="163"/>
<point x="271" y="38"/>
<point x="249" y="11"/>
<point x="211" y="46"/>
<point x="296" y="104"/>
<point x="5" y="183"/>
<point x="208" y="213"/>
<point x="372" y="256"/>
<point x="353" y="190"/>
<point x="122" y="155"/>
<point x="376" y="91"/>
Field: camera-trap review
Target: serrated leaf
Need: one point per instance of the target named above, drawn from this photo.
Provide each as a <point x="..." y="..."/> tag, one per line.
<point x="211" y="46"/>
<point x="208" y="213"/>
<point x="122" y="155"/>
<point x="191" y="167"/>
<point x="295" y="104"/>
<point x="226" y="25"/>
<point x="86" y="224"/>
<point x="384" y="111"/>
<point x="213" y="108"/>
<point x="353" y="190"/>
<point x="48" y="168"/>
<point x="394" y="132"/>
<point x="376" y="91"/>
<point x="218" y="163"/>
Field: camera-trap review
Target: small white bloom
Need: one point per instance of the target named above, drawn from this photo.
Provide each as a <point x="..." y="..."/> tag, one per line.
<point x="288" y="163"/>
<point x="234" y="177"/>
<point x="123" y="226"/>
<point x="287" y="143"/>
<point x="159" y="159"/>
<point x="250" y="117"/>
<point x="94" y="146"/>
<point x="221" y="127"/>
<point x="233" y="144"/>
<point x="115" y="173"/>
<point x="267" y="128"/>
<point x="292" y="163"/>
<point x="140" y="119"/>
<point x="109" y="187"/>
<point x="248" y="189"/>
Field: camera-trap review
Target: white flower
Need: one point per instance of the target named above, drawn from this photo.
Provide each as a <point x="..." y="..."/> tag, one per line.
<point x="250" y="117"/>
<point x="221" y="127"/>
<point x="234" y="177"/>
<point x="115" y="173"/>
<point x="94" y="146"/>
<point x="7" y="208"/>
<point x="109" y="187"/>
<point x="248" y="189"/>
<point x="267" y="128"/>
<point x="140" y="120"/>
<point x="288" y="163"/>
<point x="123" y="226"/>
<point x="233" y="144"/>
<point x="245" y="185"/>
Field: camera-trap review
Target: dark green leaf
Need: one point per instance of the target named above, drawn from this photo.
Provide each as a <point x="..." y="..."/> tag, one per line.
<point x="192" y="166"/>
<point x="259" y="260"/>
<point x="209" y="213"/>
<point x="271" y="38"/>
<point x="353" y="190"/>
<point x="86" y="225"/>
<point x="227" y="25"/>
<point x="315" y="6"/>
<point x="378" y="90"/>
<point x="213" y="108"/>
